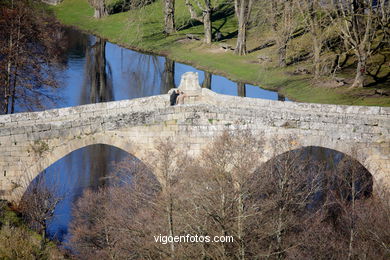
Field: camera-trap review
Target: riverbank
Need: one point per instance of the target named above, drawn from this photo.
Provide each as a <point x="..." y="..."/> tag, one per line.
<point x="17" y="241"/>
<point x="142" y="30"/>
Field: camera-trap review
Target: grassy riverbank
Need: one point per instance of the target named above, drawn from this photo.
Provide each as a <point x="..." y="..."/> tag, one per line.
<point x="142" y="30"/>
<point x="17" y="241"/>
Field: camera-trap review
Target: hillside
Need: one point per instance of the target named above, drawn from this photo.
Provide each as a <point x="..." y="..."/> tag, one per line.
<point x="142" y="29"/>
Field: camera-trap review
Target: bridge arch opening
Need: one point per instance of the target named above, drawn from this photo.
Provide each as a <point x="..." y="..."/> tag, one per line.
<point x="60" y="185"/>
<point x="327" y="173"/>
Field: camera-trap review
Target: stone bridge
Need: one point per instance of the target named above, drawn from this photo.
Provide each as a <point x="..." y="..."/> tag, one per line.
<point x="31" y="142"/>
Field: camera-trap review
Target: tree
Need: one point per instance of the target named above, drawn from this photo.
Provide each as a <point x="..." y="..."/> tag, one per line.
<point x="168" y="165"/>
<point x="100" y="8"/>
<point x="169" y="20"/>
<point x="217" y="201"/>
<point x="283" y="201"/>
<point x="31" y="51"/>
<point x="360" y="23"/>
<point x="207" y="7"/>
<point x="313" y="13"/>
<point x="115" y="222"/>
<point x="38" y="205"/>
<point x="350" y="183"/>
<point x="243" y="10"/>
<point x="283" y="23"/>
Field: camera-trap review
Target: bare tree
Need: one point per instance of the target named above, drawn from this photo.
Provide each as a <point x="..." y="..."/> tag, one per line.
<point x="243" y="12"/>
<point x="30" y="40"/>
<point x="111" y="222"/>
<point x="360" y="23"/>
<point x="100" y="8"/>
<point x="168" y="164"/>
<point x="314" y="18"/>
<point x="39" y="202"/>
<point x="373" y="220"/>
<point x="207" y="7"/>
<point x="169" y="20"/>
<point x="217" y="201"/>
<point x="283" y="23"/>
<point x="350" y="183"/>
<point x="292" y="180"/>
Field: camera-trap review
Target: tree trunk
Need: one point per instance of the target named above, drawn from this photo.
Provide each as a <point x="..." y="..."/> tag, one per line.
<point x="100" y="9"/>
<point x="170" y="223"/>
<point x="207" y="26"/>
<point x="43" y="237"/>
<point x="243" y="10"/>
<point x="282" y="52"/>
<point x="352" y="230"/>
<point x="241" y="39"/>
<point x="360" y="70"/>
<point x="169" y="16"/>
<point x="279" y="234"/>
<point x="13" y="95"/>
<point x="240" y="227"/>
<point x="7" y="86"/>
<point x="317" y="56"/>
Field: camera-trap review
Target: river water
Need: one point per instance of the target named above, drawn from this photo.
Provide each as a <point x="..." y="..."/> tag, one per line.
<point x="98" y="71"/>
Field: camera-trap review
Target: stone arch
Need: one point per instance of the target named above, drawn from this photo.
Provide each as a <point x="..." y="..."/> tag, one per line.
<point x="366" y="156"/>
<point x="60" y="150"/>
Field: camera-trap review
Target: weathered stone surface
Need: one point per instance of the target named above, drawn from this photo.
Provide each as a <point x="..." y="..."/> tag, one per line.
<point x="31" y="142"/>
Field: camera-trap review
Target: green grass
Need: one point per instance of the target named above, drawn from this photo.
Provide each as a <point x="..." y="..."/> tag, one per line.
<point x="143" y="30"/>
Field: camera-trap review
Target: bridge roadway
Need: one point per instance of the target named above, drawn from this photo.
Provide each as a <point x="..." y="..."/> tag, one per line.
<point x="31" y="142"/>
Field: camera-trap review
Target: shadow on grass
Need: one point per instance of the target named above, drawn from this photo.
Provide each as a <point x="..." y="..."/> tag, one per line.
<point x="263" y="46"/>
<point x="223" y="12"/>
<point x="300" y="57"/>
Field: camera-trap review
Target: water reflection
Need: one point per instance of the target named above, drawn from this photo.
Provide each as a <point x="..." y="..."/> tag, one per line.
<point x="207" y="80"/>
<point x="97" y="85"/>
<point x="241" y="89"/>
<point x="84" y="168"/>
<point x="168" y="76"/>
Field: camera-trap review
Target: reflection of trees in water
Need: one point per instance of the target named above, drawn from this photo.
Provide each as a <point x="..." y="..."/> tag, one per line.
<point x="98" y="75"/>
<point x="207" y="80"/>
<point x="241" y="89"/>
<point x="144" y="74"/>
<point x="168" y="76"/>
<point x="97" y="87"/>
<point x="76" y="43"/>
